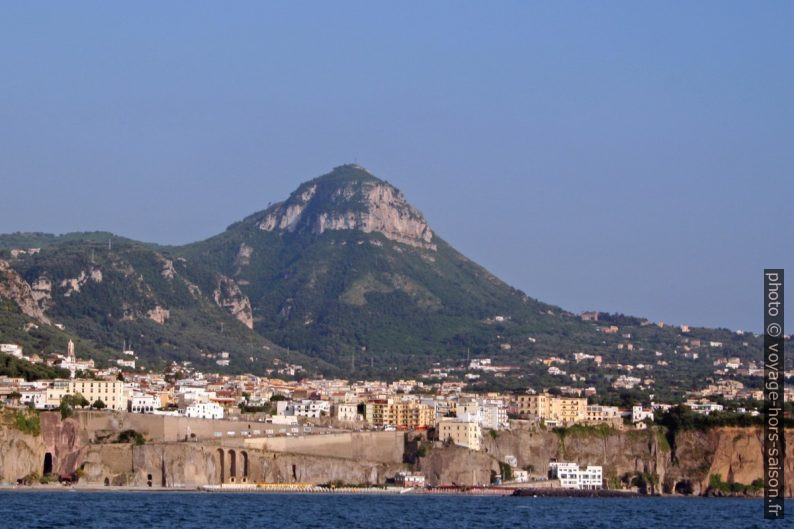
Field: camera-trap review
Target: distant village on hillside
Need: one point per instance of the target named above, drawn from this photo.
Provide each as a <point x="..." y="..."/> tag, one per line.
<point x="294" y="408"/>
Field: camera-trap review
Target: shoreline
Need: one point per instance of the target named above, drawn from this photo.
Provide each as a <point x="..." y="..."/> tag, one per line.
<point x="491" y="492"/>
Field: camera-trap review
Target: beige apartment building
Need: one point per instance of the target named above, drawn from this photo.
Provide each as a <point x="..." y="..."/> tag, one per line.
<point x="112" y="393"/>
<point x="553" y="411"/>
<point x="408" y="414"/>
<point x="461" y="433"/>
<point x="609" y="415"/>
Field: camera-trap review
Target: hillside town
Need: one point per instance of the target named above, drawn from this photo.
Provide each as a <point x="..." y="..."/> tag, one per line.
<point x="291" y="408"/>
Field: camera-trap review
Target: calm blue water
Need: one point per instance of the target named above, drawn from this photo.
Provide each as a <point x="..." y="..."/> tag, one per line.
<point x="123" y="510"/>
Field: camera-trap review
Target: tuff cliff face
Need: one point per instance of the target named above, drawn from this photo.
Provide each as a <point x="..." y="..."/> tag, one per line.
<point x="58" y="448"/>
<point x="72" y="448"/>
<point x="350" y="198"/>
<point x="733" y="453"/>
<point x="15" y="288"/>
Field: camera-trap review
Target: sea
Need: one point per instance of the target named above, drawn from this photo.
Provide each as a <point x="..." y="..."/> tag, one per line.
<point x="175" y="510"/>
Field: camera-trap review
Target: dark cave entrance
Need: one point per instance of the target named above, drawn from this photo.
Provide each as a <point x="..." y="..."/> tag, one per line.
<point x="47" y="464"/>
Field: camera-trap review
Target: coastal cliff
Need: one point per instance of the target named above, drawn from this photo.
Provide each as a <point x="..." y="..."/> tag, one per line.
<point x="640" y="459"/>
<point x="34" y="444"/>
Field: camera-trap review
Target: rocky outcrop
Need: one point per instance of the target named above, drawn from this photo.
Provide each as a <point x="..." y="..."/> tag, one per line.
<point x="456" y="465"/>
<point x="735" y="454"/>
<point x="168" y="271"/>
<point x="359" y="201"/>
<point x="74" y="284"/>
<point x="15" y="288"/>
<point x="244" y="254"/>
<point x="228" y="295"/>
<point x="20" y="453"/>
<point x="159" y="314"/>
<point x="57" y="449"/>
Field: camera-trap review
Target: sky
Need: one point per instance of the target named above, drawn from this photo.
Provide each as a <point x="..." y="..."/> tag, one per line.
<point x="633" y="157"/>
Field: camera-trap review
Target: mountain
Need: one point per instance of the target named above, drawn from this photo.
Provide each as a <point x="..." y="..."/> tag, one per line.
<point x="343" y="276"/>
<point x="346" y="265"/>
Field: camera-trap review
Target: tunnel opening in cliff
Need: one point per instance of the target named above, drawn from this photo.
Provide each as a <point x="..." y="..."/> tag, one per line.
<point x="47" y="464"/>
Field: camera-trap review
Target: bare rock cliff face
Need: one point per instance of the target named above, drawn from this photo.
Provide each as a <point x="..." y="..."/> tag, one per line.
<point x="367" y="205"/>
<point x="733" y="453"/>
<point x="228" y="296"/>
<point x="23" y="454"/>
<point x="13" y="287"/>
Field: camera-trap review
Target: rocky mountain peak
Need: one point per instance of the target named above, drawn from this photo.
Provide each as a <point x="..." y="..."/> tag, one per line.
<point x="350" y="198"/>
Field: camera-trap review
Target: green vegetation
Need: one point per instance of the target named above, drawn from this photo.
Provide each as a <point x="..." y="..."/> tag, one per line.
<point x="506" y="471"/>
<point x="646" y="482"/>
<point x="716" y="483"/>
<point x="681" y="418"/>
<point x="131" y="436"/>
<point x="28" y="421"/>
<point x="320" y="299"/>
<point x="48" y="478"/>
<point x="245" y="407"/>
<point x="584" y="430"/>
<point x="11" y="366"/>
<point x="661" y="436"/>
<point x="70" y="402"/>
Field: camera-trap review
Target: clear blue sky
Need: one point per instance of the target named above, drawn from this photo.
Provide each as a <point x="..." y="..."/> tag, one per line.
<point x="626" y="156"/>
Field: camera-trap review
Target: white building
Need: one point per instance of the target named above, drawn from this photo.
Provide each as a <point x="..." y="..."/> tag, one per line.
<point x="36" y="398"/>
<point x="409" y="479"/>
<point x="493" y="415"/>
<point x="704" y="407"/>
<point x="572" y="477"/>
<point x="187" y="395"/>
<point x="347" y="412"/>
<point x="204" y="410"/>
<point x="305" y="408"/>
<point x="289" y="420"/>
<point x="639" y="415"/>
<point x="490" y="414"/>
<point x="142" y="403"/>
<point x="126" y="363"/>
<point x="72" y="364"/>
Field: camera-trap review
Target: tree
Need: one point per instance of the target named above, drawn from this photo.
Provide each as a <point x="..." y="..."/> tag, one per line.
<point x="98" y="405"/>
<point x="65" y="408"/>
<point x="70" y="402"/>
<point x="79" y="400"/>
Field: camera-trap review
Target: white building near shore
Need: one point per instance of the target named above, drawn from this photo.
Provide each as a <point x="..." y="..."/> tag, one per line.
<point x="573" y="477"/>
